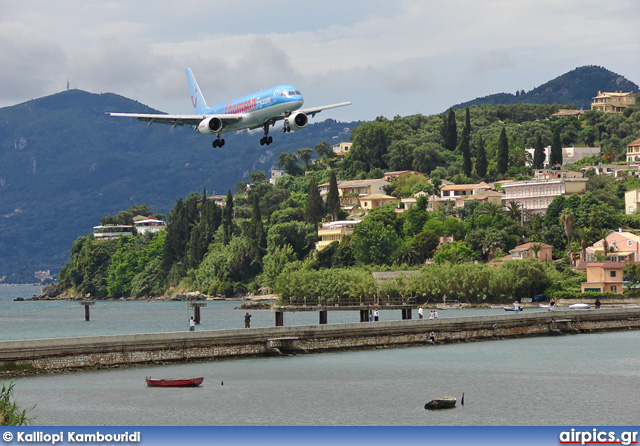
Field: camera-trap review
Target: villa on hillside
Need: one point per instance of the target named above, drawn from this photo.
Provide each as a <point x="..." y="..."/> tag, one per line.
<point x="334" y="231"/>
<point x="633" y="151"/>
<point x="621" y="246"/>
<point x="535" y="195"/>
<point x="352" y="191"/>
<point x="341" y="149"/>
<point x="528" y="251"/>
<point x="144" y="225"/>
<point x="613" y="102"/>
<point x="112" y="232"/>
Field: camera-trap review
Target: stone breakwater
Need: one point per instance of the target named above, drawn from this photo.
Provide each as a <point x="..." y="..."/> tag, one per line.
<point x="60" y="354"/>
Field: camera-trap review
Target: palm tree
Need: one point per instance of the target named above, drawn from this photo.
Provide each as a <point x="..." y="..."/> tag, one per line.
<point x="568" y="218"/>
<point x="514" y="211"/>
<point x="490" y="209"/>
<point x="536" y="249"/>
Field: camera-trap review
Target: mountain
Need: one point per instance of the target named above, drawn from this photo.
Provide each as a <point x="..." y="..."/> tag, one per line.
<point x="577" y="88"/>
<point x="64" y="165"/>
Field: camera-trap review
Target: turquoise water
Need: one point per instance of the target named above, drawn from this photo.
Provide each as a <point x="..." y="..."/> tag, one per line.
<point x="588" y="379"/>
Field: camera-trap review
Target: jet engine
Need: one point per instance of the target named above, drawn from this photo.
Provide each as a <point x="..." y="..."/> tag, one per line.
<point x="297" y="121"/>
<point x="210" y="126"/>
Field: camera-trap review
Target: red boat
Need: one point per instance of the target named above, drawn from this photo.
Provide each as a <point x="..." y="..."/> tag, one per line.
<point x="182" y="382"/>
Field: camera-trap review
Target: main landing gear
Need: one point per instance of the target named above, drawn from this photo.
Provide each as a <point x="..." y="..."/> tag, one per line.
<point x="266" y="139"/>
<point x="217" y="142"/>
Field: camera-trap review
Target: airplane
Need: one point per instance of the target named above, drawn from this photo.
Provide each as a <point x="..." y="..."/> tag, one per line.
<point x="261" y="109"/>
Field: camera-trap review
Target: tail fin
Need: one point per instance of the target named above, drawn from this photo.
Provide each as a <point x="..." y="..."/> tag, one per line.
<point x="197" y="100"/>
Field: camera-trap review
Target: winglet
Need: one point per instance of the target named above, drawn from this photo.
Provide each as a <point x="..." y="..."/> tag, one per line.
<point x="197" y="99"/>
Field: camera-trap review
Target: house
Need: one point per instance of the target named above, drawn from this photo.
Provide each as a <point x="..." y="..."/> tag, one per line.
<point x="341" y="149"/>
<point x="334" y="231"/>
<point x="527" y="251"/>
<point x="375" y="201"/>
<point x="112" y="232"/>
<point x="275" y="174"/>
<point x="564" y="113"/>
<point x="633" y="151"/>
<point x="453" y="191"/>
<point x="352" y="190"/>
<point x="535" y="195"/>
<point x="631" y="200"/>
<point x="604" y="277"/>
<point x="613" y="102"/>
<point x="621" y="246"/>
<point x="146" y="225"/>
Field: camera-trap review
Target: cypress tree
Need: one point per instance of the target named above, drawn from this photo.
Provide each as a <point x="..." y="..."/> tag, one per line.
<point x="556" y="149"/>
<point x="503" y="152"/>
<point x="450" y="131"/>
<point x="481" y="160"/>
<point x="227" y="218"/>
<point x="466" y="154"/>
<point x="333" y="198"/>
<point x="538" y="153"/>
<point x="314" y="209"/>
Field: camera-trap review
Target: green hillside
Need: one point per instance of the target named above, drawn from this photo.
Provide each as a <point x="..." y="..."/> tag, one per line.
<point x="577" y="88"/>
<point x="64" y="164"/>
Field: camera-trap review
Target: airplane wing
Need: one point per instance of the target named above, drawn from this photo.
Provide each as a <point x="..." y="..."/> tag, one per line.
<point x="177" y="120"/>
<point x="314" y="110"/>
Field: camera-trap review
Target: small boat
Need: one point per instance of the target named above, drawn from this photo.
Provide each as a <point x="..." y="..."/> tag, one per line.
<point x="447" y="402"/>
<point x="579" y="306"/>
<point x="507" y="308"/>
<point x="174" y="382"/>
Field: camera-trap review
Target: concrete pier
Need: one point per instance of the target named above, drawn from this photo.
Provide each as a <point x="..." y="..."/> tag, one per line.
<point x="107" y="351"/>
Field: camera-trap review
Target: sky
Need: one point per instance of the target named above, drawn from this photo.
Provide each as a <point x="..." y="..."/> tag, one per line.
<point x="390" y="58"/>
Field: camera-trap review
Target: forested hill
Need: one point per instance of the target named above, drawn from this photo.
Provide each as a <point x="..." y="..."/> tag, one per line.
<point x="64" y="164"/>
<point x="577" y="87"/>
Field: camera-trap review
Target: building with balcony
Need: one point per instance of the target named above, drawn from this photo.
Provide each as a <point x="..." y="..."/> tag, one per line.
<point x="341" y="149"/>
<point x="615" y="102"/>
<point x="535" y="195"/>
<point x="352" y="191"/>
<point x="633" y="151"/>
<point x="112" y="232"/>
<point x="334" y="231"/>
<point x="619" y="246"/>
<point x="604" y="277"/>
<point x="146" y="225"/>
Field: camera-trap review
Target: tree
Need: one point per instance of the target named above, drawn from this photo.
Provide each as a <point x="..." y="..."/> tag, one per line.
<point x="567" y="219"/>
<point x="466" y="154"/>
<point x="305" y="155"/>
<point x="450" y="131"/>
<point x="374" y="242"/>
<point x="555" y="157"/>
<point x="538" y="152"/>
<point x="289" y="162"/>
<point x="323" y="149"/>
<point x="333" y="198"/>
<point x="503" y="152"/>
<point x="314" y="208"/>
<point x="227" y="218"/>
<point x="481" y="160"/>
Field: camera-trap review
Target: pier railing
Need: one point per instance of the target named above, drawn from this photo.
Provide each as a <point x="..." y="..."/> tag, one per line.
<point x="376" y="301"/>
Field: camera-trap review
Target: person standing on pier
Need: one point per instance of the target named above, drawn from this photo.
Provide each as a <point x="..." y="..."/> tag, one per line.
<point x="376" y="315"/>
<point x="247" y="320"/>
<point x="192" y="324"/>
<point x="420" y="311"/>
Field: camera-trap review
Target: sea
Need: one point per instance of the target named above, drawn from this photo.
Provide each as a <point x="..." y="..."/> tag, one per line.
<point x="580" y="380"/>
